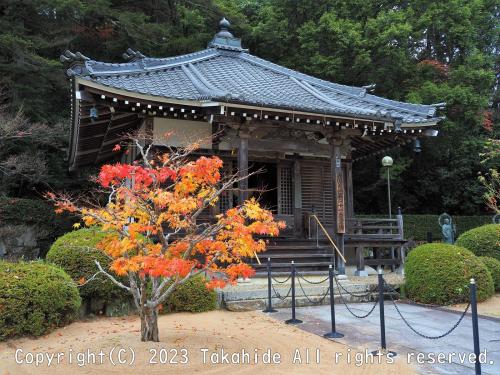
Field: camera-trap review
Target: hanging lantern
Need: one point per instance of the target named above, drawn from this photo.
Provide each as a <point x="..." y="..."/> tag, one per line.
<point x="93" y="113"/>
<point x="417" y="147"/>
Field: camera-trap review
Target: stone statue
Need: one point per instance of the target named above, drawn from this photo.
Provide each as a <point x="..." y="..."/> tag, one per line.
<point x="447" y="228"/>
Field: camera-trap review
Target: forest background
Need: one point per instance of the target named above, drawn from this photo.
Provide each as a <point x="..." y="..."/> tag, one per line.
<point x="421" y="51"/>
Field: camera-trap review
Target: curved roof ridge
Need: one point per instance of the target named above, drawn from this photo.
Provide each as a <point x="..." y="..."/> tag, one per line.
<point x="204" y="81"/>
<point x="427" y="109"/>
<point x="284" y="70"/>
<point x="395" y="104"/>
<point x="313" y="91"/>
<point x="147" y="64"/>
<point x="204" y="90"/>
<point x="343" y="89"/>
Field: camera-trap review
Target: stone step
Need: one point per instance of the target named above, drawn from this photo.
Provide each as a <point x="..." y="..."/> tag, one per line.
<point x="294" y="247"/>
<point x="251" y="298"/>
<point x="298" y="264"/>
<point x="287" y="255"/>
<point x="286" y="272"/>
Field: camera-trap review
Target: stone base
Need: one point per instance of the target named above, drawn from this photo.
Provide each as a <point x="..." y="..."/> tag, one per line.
<point x="361" y="273"/>
<point x="246" y="305"/>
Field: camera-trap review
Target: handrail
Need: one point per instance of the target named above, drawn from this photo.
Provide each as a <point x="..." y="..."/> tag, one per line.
<point x="257" y="257"/>
<point x="328" y="236"/>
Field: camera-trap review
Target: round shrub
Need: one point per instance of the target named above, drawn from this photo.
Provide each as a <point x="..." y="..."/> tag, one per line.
<point x="493" y="266"/>
<point x="482" y="241"/>
<point x="440" y="274"/>
<point x="192" y="296"/>
<point x="76" y="253"/>
<point x="35" y="298"/>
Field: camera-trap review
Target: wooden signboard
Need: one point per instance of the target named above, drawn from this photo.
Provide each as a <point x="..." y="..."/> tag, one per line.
<point x="339" y="201"/>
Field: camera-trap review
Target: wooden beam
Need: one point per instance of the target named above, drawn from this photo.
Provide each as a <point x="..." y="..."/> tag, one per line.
<point x="243" y="168"/>
<point x="279" y="145"/>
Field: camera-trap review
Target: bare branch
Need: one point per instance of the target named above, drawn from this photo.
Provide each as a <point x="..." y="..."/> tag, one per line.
<point x="116" y="282"/>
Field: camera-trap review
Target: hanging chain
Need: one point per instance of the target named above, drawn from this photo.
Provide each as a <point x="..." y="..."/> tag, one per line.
<point x="276" y="294"/>
<point x="348" y="309"/>
<point x="370" y="292"/>
<point x="312" y="282"/>
<point x="281" y="281"/>
<point x="421" y="334"/>
<point x="318" y="302"/>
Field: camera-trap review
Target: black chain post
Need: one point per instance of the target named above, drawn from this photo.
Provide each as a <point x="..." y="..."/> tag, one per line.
<point x="333" y="334"/>
<point x="293" y="320"/>
<point x="269" y="308"/>
<point x="383" y="346"/>
<point x="475" y="324"/>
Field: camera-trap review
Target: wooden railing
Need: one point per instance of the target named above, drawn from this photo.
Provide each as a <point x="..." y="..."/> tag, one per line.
<point x="376" y="228"/>
<point x="318" y="223"/>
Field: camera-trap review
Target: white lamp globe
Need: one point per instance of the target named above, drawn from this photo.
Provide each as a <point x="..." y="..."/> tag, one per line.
<point x="387" y="161"/>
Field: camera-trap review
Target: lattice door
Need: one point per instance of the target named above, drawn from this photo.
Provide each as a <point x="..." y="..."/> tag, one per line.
<point x="227" y="197"/>
<point x="285" y="192"/>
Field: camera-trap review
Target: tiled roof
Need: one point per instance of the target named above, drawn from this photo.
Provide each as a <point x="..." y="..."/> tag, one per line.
<point x="226" y="72"/>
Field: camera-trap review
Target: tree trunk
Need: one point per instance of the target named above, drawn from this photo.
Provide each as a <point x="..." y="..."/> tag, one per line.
<point x="149" y="325"/>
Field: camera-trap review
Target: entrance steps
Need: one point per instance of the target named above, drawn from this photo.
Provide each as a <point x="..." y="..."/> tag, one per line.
<point x="252" y="295"/>
<point x="309" y="257"/>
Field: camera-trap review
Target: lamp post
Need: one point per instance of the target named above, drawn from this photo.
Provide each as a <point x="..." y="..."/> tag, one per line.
<point x="387" y="162"/>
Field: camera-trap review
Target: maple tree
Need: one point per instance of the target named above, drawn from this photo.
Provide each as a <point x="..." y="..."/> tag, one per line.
<point x="156" y="239"/>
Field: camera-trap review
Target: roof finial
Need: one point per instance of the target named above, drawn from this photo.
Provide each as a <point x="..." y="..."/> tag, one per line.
<point x="224" y="39"/>
<point x="224" y="26"/>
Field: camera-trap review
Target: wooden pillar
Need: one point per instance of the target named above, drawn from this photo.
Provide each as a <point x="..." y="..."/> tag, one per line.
<point x="298" y="229"/>
<point x="360" y="262"/>
<point x="243" y="168"/>
<point x="338" y="198"/>
<point x="402" y="255"/>
<point x="350" y="192"/>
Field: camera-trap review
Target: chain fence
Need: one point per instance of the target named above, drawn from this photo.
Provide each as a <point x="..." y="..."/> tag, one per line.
<point x="281" y="281"/>
<point x="342" y="299"/>
<point x="299" y="275"/>
<point x="318" y="302"/>
<point x="279" y="296"/>
<point x="343" y="291"/>
<point x="369" y="293"/>
<point x="457" y="323"/>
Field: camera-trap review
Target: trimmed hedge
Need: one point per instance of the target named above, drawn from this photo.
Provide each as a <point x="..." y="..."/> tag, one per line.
<point x="482" y="241"/>
<point x="417" y="226"/>
<point x="192" y="296"/>
<point x="438" y="273"/>
<point x="76" y="252"/>
<point x="493" y="266"/>
<point x="35" y="298"/>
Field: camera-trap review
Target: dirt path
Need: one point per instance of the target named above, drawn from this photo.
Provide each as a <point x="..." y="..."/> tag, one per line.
<point x="490" y="307"/>
<point x="213" y="331"/>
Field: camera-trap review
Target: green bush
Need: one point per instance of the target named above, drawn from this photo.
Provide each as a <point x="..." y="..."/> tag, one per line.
<point x="482" y="241"/>
<point x="35" y="298"/>
<point x="440" y="273"/>
<point x="192" y="296"/>
<point x="493" y="266"/>
<point x="76" y="252"/>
